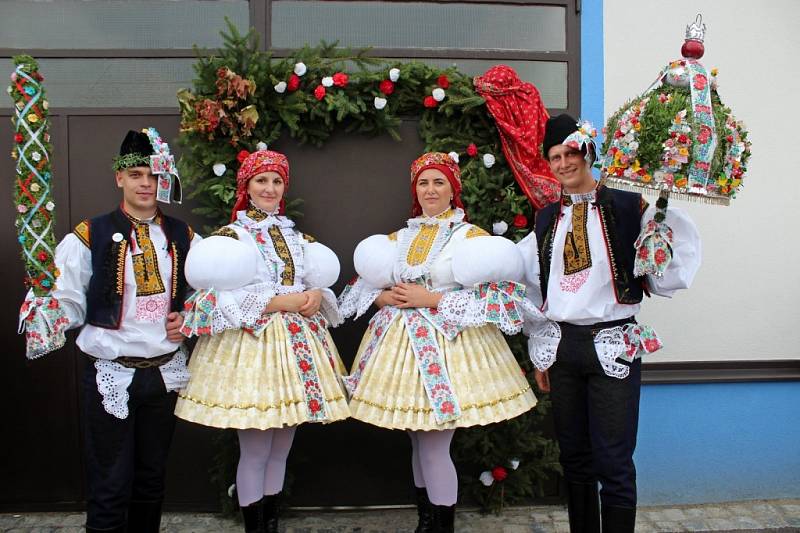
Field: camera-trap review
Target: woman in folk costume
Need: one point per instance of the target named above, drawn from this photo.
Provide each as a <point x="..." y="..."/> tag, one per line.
<point x="265" y="361"/>
<point x="432" y="359"/>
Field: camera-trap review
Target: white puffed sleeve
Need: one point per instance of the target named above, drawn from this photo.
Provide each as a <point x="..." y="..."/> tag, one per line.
<point x="487" y="261"/>
<point x="529" y="249"/>
<point x="686" y="253"/>
<point x="74" y="263"/>
<point x="321" y="271"/>
<point x="231" y="293"/>
<point x="374" y="260"/>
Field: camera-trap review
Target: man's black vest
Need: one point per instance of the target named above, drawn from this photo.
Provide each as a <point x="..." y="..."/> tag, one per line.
<point x="620" y="218"/>
<point x="106" y="292"/>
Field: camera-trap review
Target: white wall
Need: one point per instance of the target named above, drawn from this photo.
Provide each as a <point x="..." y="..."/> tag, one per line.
<point x="745" y="302"/>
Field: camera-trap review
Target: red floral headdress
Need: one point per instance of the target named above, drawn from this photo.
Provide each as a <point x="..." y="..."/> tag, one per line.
<point x="443" y="163"/>
<point x="254" y="164"/>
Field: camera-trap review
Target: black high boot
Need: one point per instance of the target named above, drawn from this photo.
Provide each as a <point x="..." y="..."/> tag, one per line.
<point x="583" y="507"/>
<point x="144" y="517"/>
<point x="253" y="516"/>
<point x="444" y="517"/>
<point x="618" y="519"/>
<point x="271" y="508"/>
<point x="424" y="511"/>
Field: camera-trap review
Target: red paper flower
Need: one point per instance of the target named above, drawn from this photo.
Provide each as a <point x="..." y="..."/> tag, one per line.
<point x="319" y="92"/>
<point x="42" y="256"/>
<point x="520" y="221"/>
<point x="499" y="473"/>
<point x="386" y="87"/>
<point x="18" y="138"/>
<point x="443" y="82"/>
<point x="472" y="150"/>
<point x="340" y="79"/>
<point x="429" y="102"/>
<point x="682" y="138"/>
<point x="242" y="155"/>
<point x="294" y="83"/>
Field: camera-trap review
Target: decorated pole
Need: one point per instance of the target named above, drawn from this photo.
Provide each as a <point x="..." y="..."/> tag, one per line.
<point x="40" y="315"/>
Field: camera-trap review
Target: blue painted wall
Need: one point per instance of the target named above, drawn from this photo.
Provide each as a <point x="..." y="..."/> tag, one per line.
<point x="702" y="442"/>
<point x="719" y="442"/>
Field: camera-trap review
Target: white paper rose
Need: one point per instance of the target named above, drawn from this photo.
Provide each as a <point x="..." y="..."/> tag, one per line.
<point x="219" y="169"/>
<point x="280" y="87"/>
<point x="453" y="156"/>
<point x="327" y="81"/>
<point x="261" y="146"/>
<point x="438" y="94"/>
<point x="514" y="463"/>
<point x="300" y="69"/>
<point x="486" y="478"/>
<point x="488" y="160"/>
<point x="394" y="74"/>
<point x="379" y="102"/>
<point x="499" y="228"/>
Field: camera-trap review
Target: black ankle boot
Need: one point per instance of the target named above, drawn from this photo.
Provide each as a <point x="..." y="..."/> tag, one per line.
<point x="424" y="511"/>
<point x="144" y="517"/>
<point x="444" y="517"/>
<point x="583" y="508"/>
<point x="618" y="519"/>
<point x="253" y="516"/>
<point x="271" y="508"/>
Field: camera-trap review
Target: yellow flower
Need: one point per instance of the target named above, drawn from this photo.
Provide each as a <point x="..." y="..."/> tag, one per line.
<point x="637" y="126"/>
<point x="32" y="118"/>
<point x="683" y="151"/>
<point x="681" y="182"/>
<point x="635" y="166"/>
<point x="736" y="182"/>
<point x="722" y="180"/>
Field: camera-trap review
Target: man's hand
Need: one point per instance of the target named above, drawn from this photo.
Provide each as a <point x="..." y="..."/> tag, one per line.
<point x="412" y="295"/>
<point x="542" y="380"/>
<point x="313" y="301"/>
<point x="174" y="323"/>
<point x="387" y="297"/>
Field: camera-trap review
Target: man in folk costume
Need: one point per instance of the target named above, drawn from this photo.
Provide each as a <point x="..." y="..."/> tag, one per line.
<point x="588" y="355"/>
<point x="121" y="279"/>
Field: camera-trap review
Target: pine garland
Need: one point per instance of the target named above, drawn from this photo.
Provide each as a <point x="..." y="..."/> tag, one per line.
<point x="243" y="97"/>
<point x="33" y="197"/>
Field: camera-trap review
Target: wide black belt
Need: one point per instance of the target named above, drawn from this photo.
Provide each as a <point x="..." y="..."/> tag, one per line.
<point x="142" y="362"/>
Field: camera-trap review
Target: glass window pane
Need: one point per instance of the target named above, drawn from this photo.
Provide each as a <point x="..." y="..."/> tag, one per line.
<point x="550" y="77"/>
<point x="113" y="82"/>
<point x="419" y="25"/>
<point x="135" y="24"/>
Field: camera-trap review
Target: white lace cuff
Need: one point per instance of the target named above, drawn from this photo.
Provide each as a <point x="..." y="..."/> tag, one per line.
<point x="463" y="308"/>
<point x="330" y="308"/>
<point x="241" y="307"/>
<point x="356" y="298"/>
<point x="543" y="341"/>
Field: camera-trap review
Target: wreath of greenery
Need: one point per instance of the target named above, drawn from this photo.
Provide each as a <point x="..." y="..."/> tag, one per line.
<point x="243" y="96"/>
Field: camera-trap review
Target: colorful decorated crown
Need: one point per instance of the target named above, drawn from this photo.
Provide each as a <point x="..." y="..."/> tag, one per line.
<point x="678" y="137"/>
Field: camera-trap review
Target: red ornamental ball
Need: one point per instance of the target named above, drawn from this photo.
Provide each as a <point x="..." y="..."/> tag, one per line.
<point x="386" y="87"/>
<point x="319" y="92"/>
<point x="499" y="473"/>
<point x="293" y="84"/>
<point x="472" y="150"/>
<point x="520" y="221"/>
<point x="443" y="82"/>
<point x="242" y="155"/>
<point x="340" y="79"/>
<point x="693" y="49"/>
<point x="429" y="102"/>
<point x="18" y="138"/>
<point x="42" y="256"/>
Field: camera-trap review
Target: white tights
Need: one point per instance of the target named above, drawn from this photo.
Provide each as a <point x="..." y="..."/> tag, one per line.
<point x="432" y="466"/>
<point x="262" y="462"/>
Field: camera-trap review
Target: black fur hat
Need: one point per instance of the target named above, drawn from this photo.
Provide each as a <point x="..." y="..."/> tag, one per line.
<point x="556" y="130"/>
<point x="135" y="151"/>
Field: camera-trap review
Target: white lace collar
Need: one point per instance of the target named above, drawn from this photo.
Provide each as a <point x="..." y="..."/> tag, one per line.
<point x="245" y="218"/>
<point x="448" y="216"/>
<point x="447" y="221"/>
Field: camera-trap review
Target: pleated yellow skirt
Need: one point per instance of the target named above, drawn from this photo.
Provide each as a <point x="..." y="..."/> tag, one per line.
<point x="487" y="381"/>
<point x="243" y="381"/>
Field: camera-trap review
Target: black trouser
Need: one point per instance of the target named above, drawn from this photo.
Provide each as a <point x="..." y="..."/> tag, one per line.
<point x="596" y="417"/>
<point x="126" y="458"/>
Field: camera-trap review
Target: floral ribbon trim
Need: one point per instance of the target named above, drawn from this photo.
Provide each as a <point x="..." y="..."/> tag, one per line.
<point x="653" y="249"/>
<point x="318" y="325"/>
<point x="501" y="299"/>
<point x="44" y="322"/>
<point x="420" y="327"/>
<point x="432" y="368"/>
<point x="703" y="149"/>
<point x="307" y="370"/>
<point x="627" y="342"/>
<point x="200" y="308"/>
